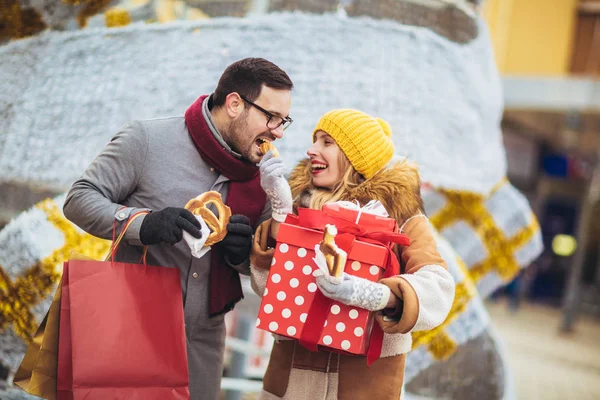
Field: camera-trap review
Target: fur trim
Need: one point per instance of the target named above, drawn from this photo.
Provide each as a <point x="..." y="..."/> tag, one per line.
<point x="397" y="187"/>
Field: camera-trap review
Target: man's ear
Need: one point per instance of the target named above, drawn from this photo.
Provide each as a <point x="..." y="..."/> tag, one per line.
<point x="234" y="105"/>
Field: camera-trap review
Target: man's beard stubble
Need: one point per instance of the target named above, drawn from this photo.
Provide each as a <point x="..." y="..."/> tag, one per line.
<point x="236" y="137"/>
<point x="239" y="140"/>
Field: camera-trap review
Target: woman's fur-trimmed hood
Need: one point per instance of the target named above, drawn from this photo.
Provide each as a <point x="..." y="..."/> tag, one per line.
<point x="397" y="187"/>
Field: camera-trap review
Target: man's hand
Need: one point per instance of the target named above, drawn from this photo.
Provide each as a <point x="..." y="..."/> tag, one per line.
<point x="238" y="242"/>
<point x="277" y="188"/>
<point x="167" y="226"/>
<point x="354" y="291"/>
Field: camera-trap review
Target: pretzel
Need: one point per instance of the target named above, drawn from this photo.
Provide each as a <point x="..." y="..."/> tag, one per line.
<point x="218" y="226"/>
<point x="266" y="146"/>
<point x="334" y="256"/>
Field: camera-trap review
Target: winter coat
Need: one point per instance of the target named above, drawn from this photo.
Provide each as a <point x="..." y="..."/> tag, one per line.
<point x="154" y="164"/>
<point x="425" y="286"/>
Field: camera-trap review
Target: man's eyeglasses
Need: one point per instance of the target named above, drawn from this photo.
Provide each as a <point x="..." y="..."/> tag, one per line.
<point x="273" y="121"/>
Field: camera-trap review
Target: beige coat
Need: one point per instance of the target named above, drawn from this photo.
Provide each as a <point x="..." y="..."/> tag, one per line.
<point x="425" y="286"/>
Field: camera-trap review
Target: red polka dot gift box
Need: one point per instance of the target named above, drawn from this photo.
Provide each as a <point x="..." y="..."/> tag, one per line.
<point x="292" y="304"/>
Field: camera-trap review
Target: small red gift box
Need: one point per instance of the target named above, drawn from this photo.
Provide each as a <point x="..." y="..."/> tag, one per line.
<point x="293" y="306"/>
<point x="367" y="220"/>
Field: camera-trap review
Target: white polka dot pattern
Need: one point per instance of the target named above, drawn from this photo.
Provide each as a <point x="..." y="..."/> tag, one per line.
<point x="290" y="292"/>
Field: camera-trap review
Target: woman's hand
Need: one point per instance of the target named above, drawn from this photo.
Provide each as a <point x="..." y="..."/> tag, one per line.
<point x="354" y="291"/>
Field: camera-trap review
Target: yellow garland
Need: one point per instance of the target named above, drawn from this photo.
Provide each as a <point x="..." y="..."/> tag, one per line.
<point x="18" y="297"/>
<point x="438" y="342"/>
<point x="470" y="208"/>
<point x="116" y="17"/>
<point x="501" y="252"/>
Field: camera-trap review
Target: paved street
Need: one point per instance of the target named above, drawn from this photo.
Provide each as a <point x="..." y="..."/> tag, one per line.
<point x="547" y="365"/>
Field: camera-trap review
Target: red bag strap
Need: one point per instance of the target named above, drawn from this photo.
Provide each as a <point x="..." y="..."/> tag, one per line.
<point x="113" y="248"/>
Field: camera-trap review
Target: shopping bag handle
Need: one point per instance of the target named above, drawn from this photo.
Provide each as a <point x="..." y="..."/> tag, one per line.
<point x="115" y="244"/>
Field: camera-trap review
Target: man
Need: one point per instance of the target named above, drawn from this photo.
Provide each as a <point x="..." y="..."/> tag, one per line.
<point x="160" y="164"/>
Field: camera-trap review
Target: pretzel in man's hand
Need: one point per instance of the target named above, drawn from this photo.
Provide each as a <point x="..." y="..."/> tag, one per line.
<point x="218" y="226"/>
<point x="334" y="256"/>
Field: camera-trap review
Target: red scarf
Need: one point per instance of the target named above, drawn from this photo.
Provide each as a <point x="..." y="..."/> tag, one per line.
<point x="245" y="197"/>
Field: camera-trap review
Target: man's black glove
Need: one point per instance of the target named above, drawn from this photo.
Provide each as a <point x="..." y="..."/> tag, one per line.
<point x="238" y="242"/>
<point x="166" y="226"/>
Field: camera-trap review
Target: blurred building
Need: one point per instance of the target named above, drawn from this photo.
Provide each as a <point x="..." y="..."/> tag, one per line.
<point x="550" y="61"/>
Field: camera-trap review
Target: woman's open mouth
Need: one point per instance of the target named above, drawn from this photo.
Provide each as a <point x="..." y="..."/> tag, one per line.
<point x="318" y="167"/>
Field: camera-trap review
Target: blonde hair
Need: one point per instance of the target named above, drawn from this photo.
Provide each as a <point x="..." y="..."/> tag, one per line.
<point x="351" y="179"/>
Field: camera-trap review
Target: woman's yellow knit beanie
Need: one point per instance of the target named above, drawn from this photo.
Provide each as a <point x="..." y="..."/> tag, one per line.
<point x="366" y="141"/>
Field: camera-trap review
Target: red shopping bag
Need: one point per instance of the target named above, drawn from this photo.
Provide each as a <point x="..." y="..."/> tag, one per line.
<point x="121" y="332"/>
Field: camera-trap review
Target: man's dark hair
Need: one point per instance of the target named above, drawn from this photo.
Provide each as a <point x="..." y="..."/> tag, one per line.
<point x="247" y="77"/>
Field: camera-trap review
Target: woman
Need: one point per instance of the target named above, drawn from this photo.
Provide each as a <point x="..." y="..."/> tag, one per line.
<point x="350" y="160"/>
